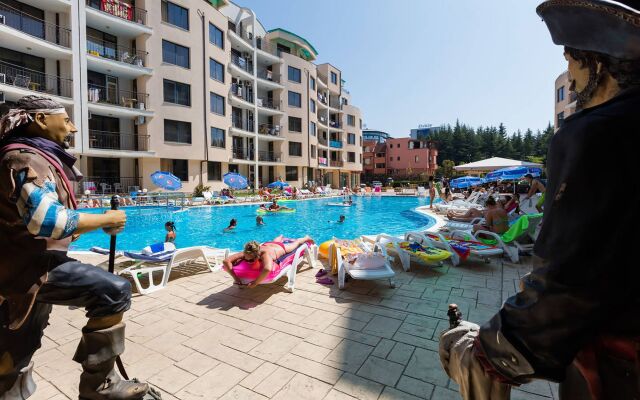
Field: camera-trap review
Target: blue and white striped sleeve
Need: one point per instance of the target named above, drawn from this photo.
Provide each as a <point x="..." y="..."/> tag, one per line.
<point x="41" y="210"/>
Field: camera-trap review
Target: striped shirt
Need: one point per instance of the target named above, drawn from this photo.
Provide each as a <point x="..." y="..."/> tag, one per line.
<point x="41" y="210"/>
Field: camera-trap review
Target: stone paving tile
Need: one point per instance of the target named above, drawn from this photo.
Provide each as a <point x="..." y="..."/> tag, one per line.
<point x="336" y="395"/>
<point x="197" y="363"/>
<point x="310" y="351"/>
<point x="393" y="394"/>
<point x="425" y="365"/>
<point x="275" y="347"/>
<point x="383" y="348"/>
<point x="360" y="388"/>
<point x="401" y="353"/>
<point x="303" y="387"/>
<point x="348" y="356"/>
<point x="352" y="335"/>
<point x="213" y="384"/>
<point x="382" y="371"/>
<point x="441" y="393"/>
<point x="241" y="393"/>
<point x="317" y="370"/>
<point x="274" y="382"/>
<point x="172" y="379"/>
<point x="415" y="387"/>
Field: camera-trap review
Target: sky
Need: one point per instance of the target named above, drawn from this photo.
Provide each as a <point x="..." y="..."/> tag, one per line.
<point x="411" y="62"/>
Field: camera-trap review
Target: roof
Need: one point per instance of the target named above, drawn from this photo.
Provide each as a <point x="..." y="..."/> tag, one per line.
<point x="493" y="163"/>
<point x="298" y="37"/>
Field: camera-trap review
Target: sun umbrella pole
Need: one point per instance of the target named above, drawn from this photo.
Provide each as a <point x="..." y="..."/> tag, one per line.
<point x="112" y="243"/>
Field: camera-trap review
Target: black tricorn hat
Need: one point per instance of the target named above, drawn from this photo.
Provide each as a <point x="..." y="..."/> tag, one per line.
<point x="604" y="26"/>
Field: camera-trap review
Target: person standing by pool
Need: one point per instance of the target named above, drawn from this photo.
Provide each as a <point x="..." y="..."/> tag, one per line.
<point x="170" y="226"/>
<point x="232" y="225"/>
<point x="39" y="221"/>
<point x="432" y="191"/>
<point x="535" y="186"/>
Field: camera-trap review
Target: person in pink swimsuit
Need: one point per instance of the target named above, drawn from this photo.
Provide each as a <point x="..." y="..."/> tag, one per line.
<point x="261" y="259"/>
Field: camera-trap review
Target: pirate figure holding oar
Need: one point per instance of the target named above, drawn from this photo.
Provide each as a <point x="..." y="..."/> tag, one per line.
<point x="576" y="318"/>
<point x="38" y="220"/>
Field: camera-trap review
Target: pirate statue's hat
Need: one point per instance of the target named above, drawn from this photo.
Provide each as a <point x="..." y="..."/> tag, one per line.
<point x="604" y="26"/>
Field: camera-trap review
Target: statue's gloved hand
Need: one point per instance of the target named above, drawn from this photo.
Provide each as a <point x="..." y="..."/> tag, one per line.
<point x="458" y="360"/>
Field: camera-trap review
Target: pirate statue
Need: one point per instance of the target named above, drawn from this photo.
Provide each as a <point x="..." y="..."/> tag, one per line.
<point x="37" y="222"/>
<point x="576" y="319"/>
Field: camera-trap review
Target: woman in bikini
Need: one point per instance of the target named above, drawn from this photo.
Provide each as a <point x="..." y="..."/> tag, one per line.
<point x="262" y="257"/>
<point x="496" y="218"/>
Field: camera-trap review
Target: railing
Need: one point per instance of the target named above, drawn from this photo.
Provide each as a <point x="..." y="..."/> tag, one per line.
<point x="324" y="83"/>
<point x="242" y="92"/>
<point x="35" y="27"/>
<point x="99" y="48"/>
<point x="240" y="153"/>
<point x="101" y="184"/>
<point x="120" y="9"/>
<point x="265" y="103"/>
<point x="123" y="98"/>
<point x="322" y="119"/>
<point x="11" y="74"/>
<point x="335" y="104"/>
<point x="268" y="76"/>
<point x="322" y="99"/>
<point x="242" y="33"/>
<point x="335" y="124"/>
<point x="335" y="163"/>
<point x="242" y="63"/>
<point x="322" y="141"/>
<point x="268" y="129"/>
<point x="118" y="141"/>
<point x="268" y="156"/>
<point x="335" y="143"/>
<point x="243" y="124"/>
<point x="267" y="47"/>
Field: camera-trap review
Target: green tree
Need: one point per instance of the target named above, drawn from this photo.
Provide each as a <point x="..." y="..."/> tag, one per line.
<point x="447" y="168"/>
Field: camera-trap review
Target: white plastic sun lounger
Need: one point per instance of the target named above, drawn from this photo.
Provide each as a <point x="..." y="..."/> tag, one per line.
<point x="378" y="269"/>
<point x="436" y="239"/>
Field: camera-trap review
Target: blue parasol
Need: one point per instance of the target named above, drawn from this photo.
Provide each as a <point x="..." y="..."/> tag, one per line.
<point x="234" y="180"/>
<point x="511" y="173"/>
<point x="166" y="180"/>
<point x="465" y="182"/>
<point x="278" y="185"/>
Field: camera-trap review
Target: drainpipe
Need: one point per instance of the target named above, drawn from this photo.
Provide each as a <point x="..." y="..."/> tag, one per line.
<point x="204" y="95"/>
<point x="306" y="176"/>
<point x="256" y="172"/>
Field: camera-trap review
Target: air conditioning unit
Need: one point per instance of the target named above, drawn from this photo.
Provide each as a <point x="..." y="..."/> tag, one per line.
<point x="2" y="20"/>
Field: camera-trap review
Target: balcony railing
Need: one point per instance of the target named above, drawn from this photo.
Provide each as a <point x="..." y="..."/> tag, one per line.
<point x="323" y="161"/>
<point x="335" y="104"/>
<point x="103" y="184"/>
<point x="242" y="63"/>
<point x="118" y="141"/>
<point x="335" y="144"/>
<point x="335" y="163"/>
<point x="268" y="156"/>
<point x="322" y="119"/>
<point x="268" y="129"/>
<point x="335" y="124"/>
<point x="240" y="153"/>
<point x="11" y="74"/>
<point x="99" y="48"/>
<point x="241" y="32"/>
<point x="268" y="76"/>
<point x="322" y="141"/>
<point x="242" y="92"/>
<point x="322" y="99"/>
<point x="112" y="95"/>
<point x="266" y="103"/>
<point x="120" y="9"/>
<point x="35" y="27"/>
<point x="243" y="124"/>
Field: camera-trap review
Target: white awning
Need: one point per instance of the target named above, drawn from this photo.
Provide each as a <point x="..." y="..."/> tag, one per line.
<point x="493" y="163"/>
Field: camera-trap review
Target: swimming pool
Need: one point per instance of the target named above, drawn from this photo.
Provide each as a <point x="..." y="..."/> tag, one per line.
<point x="204" y="225"/>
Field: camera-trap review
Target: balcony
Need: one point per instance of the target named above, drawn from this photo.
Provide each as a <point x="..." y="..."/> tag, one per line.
<point x="269" y="156"/>
<point x="322" y="119"/>
<point x="242" y="124"/>
<point x="17" y="82"/>
<point x="322" y="161"/>
<point x="242" y="66"/>
<point x="336" y="163"/>
<point x="117" y="18"/>
<point x="322" y="99"/>
<point x="336" y="144"/>
<point x="269" y="80"/>
<point x="335" y="124"/>
<point x="239" y="153"/>
<point x="41" y="38"/>
<point x="109" y="58"/>
<point x="274" y="132"/>
<point x="242" y="93"/>
<point x="128" y="103"/>
<point x="322" y="141"/>
<point x="268" y="107"/>
<point x="118" y="141"/>
<point x="239" y="32"/>
<point x="267" y="50"/>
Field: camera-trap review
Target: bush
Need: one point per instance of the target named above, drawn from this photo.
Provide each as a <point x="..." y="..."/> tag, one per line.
<point x="197" y="192"/>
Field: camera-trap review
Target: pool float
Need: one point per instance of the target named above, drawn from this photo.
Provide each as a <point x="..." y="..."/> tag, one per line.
<point x="426" y="254"/>
<point x="339" y="204"/>
<point x="323" y="249"/>
<point x="282" y="210"/>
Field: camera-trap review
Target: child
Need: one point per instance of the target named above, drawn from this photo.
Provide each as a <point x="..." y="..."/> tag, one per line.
<point x="170" y="226"/>
<point x="259" y="220"/>
<point x="342" y="218"/>
<point x="232" y="225"/>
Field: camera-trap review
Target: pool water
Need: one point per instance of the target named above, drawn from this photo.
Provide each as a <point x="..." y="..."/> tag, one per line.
<point x="204" y="225"/>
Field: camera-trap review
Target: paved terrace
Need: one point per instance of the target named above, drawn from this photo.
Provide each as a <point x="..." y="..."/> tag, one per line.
<point x="202" y="338"/>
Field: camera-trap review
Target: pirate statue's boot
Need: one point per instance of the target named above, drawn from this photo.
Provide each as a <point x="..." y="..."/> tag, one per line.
<point x="97" y="353"/>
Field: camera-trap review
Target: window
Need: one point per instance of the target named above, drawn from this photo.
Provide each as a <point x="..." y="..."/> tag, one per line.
<point x="295" y="149"/>
<point x="360" y="141"/>
<point x="216" y="70"/>
<point x="351" y="156"/>
<point x="360" y="123"/>
<point x="560" y="120"/>
<point x="177" y="93"/>
<point x="351" y="138"/>
<point x="177" y="131"/>
<point x="175" y="15"/>
<point x="417" y="159"/>
<point x="312" y="128"/>
<point x="217" y="103"/>
<point x="379" y="165"/>
<point x="216" y="36"/>
<point x="312" y="105"/>
<point x="217" y="137"/>
<point x="295" y="124"/>
<point x="291" y="173"/>
<point x="398" y="158"/>
<point x="214" y="171"/>
<point x="180" y="169"/>
<point x="351" y="120"/>
<point x="312" y="83"/>
<point x="295" y="74"/>
<point x="560" y="94"/>
<point x="295" y="99"/>
<point x="334" y="78"/>
<point x="313" y="151"/>
<point x="175" y="54"/>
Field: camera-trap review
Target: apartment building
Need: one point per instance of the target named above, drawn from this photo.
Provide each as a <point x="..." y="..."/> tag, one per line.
<point x="197" y="88"/>
<point x="565" y="100"/>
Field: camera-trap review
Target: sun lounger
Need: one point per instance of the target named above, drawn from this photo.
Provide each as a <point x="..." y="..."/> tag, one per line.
<point x="422" y="251"/>
<point x="359" y="261"/>
<point x="460" y="248"/>
<point x="511" y="242"/>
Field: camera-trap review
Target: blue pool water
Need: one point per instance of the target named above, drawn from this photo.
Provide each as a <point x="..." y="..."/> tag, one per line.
<point x="204" y="225"/>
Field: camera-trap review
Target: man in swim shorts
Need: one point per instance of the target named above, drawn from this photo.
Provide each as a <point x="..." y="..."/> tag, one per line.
<point x="262" y="256"/>
<point x="536" y="186"/>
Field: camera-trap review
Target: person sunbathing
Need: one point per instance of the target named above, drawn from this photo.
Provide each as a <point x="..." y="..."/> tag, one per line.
<point x="464" y="216"/>
<point x="262" y="257"/>
<point x="496" y="219"/>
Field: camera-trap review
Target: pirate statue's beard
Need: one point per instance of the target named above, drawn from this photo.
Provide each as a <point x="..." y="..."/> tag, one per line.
<point x="585" y="95"/>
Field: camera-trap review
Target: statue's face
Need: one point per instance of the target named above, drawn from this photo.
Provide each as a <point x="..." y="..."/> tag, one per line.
<point x="578" y="74"/>
<point x="56" y="127"/>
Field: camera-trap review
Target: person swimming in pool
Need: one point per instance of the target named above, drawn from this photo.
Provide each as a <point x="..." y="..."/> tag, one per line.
<point x="262" y="256"/>
<point x="232" y="225"/>
<point x="342" y="219"/>
<point x="170" y="227"/>
<point x="259" y="220"/>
